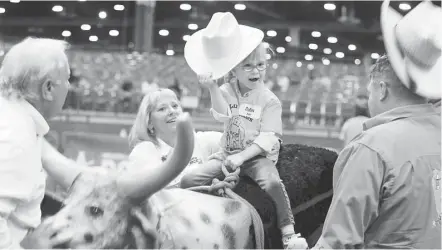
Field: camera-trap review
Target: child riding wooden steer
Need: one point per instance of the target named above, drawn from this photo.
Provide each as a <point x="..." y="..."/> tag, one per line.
<point x="251" y="113"/>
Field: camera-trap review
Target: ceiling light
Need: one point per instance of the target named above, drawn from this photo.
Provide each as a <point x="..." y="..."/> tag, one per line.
<point x="313" y="46"/>
<point x="325" y="61"/>
<point x="85" y="27"/>
<point x="118" y="7"/>
<point x="316" y="34"/>
<point x="274" y="65"/>
<point x="308" y="57"/>
<point x="298" y="64"/>
<point x="163" y="32"/>
<point x="2" y="10"/>
<point x="280" y="50"/>
<point x="14" y="1"/>
<point x="240" y="6"/>
<point x="357" y="61"/>
<point x="57" y="8"/>
<point x="404" y="6"/>
<point x="192" y="26"/>
<point x="66" y="33"/>
<point x="93" y="38"/>
<point x="327" y="51"/>
<point x="332" y="39"/>
<point x="351" y="47"/>
<point x="310" y="66"/>
<point x="374" y="55"/>
<point x="288" y="39"/>
<point x="170" y="52"/>
<point x="339" y="54"/>
<point x="113" y="33"/>
<point x="329" y="6"/>
<point x="185" y="6"/>
<point x="102" y="14"/>
<point x="271" y="33"/>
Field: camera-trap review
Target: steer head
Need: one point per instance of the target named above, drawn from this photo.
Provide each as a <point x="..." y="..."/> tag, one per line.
<point x="97" y="211"/>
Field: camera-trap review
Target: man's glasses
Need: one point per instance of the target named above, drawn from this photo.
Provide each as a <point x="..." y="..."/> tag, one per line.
<point x="249" y="67"/>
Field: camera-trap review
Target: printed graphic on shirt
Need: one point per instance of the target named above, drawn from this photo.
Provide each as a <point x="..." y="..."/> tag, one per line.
<point x="250" y="111"/>
<point x="437" y="195"/>
<point x="235" y="134"/>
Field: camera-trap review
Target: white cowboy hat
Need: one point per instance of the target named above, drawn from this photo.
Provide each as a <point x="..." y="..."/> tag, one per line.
<point x="413" y="44"/>
<point x="220" y="46"/>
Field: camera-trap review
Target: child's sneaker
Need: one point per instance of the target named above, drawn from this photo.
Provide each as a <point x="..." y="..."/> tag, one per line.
<point x="294" y="241"/>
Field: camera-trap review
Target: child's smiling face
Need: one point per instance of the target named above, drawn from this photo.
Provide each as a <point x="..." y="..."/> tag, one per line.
<point x="252" y="70"/>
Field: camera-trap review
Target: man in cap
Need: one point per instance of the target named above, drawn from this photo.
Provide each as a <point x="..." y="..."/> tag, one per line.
<point x="386" y="182"/>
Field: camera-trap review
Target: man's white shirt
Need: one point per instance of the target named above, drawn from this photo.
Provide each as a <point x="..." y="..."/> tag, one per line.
<point x="22" y="178"/>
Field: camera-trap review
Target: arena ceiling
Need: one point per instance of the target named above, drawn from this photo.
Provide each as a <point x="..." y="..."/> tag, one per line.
<point x="354" y="23"/>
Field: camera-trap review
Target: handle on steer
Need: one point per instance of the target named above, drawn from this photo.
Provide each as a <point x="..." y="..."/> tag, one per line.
<point x="231" y="177"/>
<point x="230" y="181"/>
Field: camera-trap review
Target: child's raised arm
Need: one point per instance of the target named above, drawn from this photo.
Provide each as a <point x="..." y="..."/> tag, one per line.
<point x="219" y="103"/>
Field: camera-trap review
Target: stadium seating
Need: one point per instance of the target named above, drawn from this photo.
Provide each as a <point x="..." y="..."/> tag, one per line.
<point x="320" y="97"/>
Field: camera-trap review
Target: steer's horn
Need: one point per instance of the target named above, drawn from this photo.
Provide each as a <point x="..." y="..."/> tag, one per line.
<point x="148" y="180"/>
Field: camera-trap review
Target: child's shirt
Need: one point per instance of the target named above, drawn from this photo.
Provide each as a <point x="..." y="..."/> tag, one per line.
<point x="254" y="117"/>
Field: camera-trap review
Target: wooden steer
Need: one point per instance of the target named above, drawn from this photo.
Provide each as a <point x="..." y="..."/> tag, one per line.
<point x="99" y="209"/>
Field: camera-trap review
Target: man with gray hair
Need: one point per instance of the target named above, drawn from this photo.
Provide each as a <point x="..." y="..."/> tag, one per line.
<point x="33" y="87"/>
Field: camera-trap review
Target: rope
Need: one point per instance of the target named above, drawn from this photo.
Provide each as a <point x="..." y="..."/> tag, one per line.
<point x="229" y="182"/>
<point x="224" y="188"/>
<point x="219" y="187"/>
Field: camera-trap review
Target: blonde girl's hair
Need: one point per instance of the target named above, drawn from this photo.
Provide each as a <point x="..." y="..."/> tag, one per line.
<point x="140" y="131"/>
